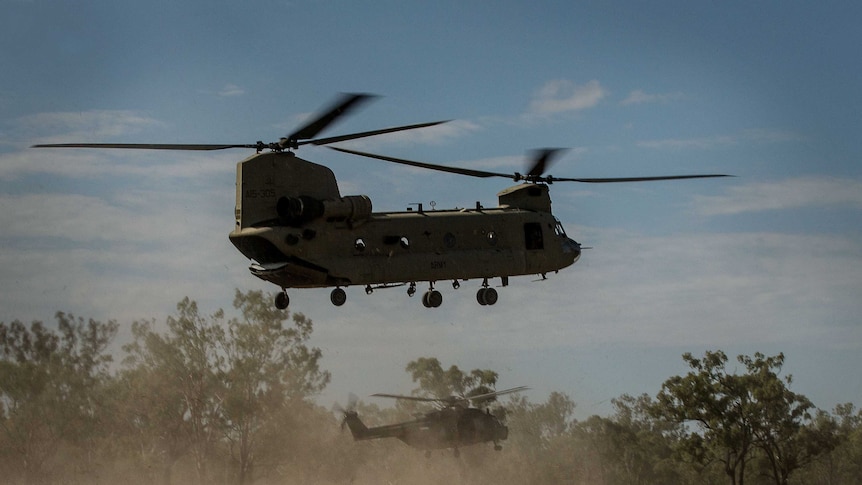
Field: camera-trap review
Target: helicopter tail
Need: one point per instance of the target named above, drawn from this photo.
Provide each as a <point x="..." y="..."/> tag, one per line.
<point x="357" y="427"/>
<point x="351" y="418"/>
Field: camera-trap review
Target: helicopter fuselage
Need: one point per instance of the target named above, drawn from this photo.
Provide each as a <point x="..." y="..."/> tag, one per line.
<point x="446" y="428"/>
<point x="301" y="233"/>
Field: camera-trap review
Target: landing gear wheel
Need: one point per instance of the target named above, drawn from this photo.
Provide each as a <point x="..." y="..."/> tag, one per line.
<point x="282" y="300"/>
<point x="489" y="296"/>
<point x="486" y="296"/>
<point x="432" y="299"/>
<point x="338" y="297"/>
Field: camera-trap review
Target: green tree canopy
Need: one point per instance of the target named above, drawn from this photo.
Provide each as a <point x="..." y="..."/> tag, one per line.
<point x="738" y="414"/>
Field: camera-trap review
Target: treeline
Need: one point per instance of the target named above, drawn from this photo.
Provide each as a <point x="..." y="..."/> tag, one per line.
<point x="210" y="399"/>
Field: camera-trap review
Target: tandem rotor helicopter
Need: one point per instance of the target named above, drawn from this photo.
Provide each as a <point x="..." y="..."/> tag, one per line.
<point x="453" y="425"/>
<point x="300" y="232"/>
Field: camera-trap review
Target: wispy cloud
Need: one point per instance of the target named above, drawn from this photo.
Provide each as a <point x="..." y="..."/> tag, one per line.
<point x="785" y="194"/>
<point x="143" y="165"/>
<point x="561" y="95"/>
<point x="231" y="90"/>
<point x="717" y="141"/>
<point x="701" y="143"/>
<point x="640" y="97"/>
<point x="100" y="126"/>
<point x="93" y="125"/>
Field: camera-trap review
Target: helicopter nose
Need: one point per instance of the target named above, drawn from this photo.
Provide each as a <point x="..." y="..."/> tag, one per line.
<point x="570" y="246"/>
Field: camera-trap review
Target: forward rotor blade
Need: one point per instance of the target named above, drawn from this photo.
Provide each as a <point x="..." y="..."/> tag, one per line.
<point x="542" y="159"/>
<point x="144" y="146"/>
<point x="342" y="106"/>
<point x="431" y="166"/>
<point x="335" y="139"/>
<point x="636" y="179"/>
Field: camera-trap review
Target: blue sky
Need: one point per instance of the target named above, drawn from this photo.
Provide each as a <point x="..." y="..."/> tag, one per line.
<point x="768" y="261"/>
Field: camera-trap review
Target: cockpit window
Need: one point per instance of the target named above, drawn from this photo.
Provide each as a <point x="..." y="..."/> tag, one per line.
<point x="558" y="228"/>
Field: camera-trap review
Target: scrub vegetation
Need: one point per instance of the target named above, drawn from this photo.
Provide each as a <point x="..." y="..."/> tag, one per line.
<point x="208" y="399"/>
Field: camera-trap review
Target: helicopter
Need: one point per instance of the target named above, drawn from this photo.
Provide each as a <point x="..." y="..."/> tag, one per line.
<point x="455" y="424"/>
<point x="298" y="231"/>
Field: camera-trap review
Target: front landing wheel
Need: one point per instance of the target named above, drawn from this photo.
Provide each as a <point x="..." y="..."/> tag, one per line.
<point x="338" y="297"/>
<point x="282" y="300"/>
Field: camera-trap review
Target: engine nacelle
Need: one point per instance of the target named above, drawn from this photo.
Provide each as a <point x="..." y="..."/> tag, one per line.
<point x="295" y="211"/>
<point x="350" y="208"/>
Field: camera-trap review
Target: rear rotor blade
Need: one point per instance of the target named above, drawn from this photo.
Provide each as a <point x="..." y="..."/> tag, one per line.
<point x="542" y="161"/>
<point x="637" y="179"/>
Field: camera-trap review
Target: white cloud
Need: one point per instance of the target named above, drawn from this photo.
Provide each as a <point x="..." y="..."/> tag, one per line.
<point x="792" y="193"/>
<point x="715" y="141"/>
<point x="93" y="125"/>
<point x="640" y="97"/>
<point x="701" y="143"/>
<point x="561" y="95"/>
<point x="80" y="163"/>
<point x="231" y="90"/>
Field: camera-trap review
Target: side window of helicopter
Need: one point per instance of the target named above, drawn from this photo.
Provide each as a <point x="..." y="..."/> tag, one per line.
<point x="533" y="236"/>
<point x="359" y="244"/>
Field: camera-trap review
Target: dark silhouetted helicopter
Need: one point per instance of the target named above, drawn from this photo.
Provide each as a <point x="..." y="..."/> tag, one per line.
<point x="454" y="425"/>
<point x="300" y="232"/>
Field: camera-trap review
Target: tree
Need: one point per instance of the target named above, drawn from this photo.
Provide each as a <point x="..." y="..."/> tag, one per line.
<point x="267" y="365"/>
<point x="721" y="406"/>
<point x="739" y="415"/>
<point x="784" y="428"/>
<point x="632" y="445"/>
<point x="184" y="365"/>
<point x="49" y="383"/>
<point x="436" y="382"/>
<point x="542" y="435"/>
<point x="844" y="463"/>
<point x="207" y="384"/>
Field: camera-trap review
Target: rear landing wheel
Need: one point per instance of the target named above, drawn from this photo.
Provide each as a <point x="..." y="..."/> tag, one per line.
<point x="338" y="297"/>
<point x="282" y="300"/>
